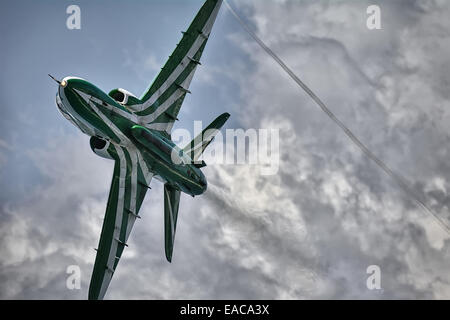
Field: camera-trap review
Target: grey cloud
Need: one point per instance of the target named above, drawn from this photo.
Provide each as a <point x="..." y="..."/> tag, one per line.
<point x="311" y="230"/>
<point x="339" y="70"/>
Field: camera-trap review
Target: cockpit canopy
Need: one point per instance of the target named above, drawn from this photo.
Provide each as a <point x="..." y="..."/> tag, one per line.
<point x="124" y="97"/>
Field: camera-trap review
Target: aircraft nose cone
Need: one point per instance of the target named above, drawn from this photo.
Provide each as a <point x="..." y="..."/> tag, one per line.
<point x="63" y="83"/>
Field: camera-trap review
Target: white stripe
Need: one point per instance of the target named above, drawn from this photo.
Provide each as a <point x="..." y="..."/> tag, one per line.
<point x="166" y="104"/>
<point x="180" y="68"/>
<point x="157" y="126"/>
<point x="169" y="127"/>
<point x="119" y="111"/>
<point x="209" y="134"/>
<point x="124" y="139"/>
<point x="80" y="122"/>
<point x="89" y="99"/>
<point x="147" y="175"/>
<point x="132" y="217"/>
<point x="134" y="155"/>
<point x="171" y="79"/>
<point x="118" y="222"/>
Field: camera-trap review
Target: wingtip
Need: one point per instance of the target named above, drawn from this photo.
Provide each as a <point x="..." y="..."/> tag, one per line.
<point x="168" y="256"/>
<point x="92" y="298"/>
<point x="225" y="116"/>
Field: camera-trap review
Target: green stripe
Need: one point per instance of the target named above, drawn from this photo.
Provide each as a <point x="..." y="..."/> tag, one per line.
<point x="106" y="237"/>
<point x="182" y="48"/>
<point x="173" y="87"/>
<point x="126" y="204"/>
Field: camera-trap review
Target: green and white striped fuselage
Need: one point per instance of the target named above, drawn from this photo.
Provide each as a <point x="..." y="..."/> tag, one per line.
<point x="118" y="134"/>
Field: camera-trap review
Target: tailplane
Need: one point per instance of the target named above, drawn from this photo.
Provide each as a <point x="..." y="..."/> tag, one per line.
<point x="195" y="148"/>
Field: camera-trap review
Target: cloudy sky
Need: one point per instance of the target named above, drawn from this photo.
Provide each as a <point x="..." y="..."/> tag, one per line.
<point x="309" y="231"/>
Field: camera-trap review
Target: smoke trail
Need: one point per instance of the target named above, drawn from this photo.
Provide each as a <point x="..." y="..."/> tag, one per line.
<point x="401" y="181"/>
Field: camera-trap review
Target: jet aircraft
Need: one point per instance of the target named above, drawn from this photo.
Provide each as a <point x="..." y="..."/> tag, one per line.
<point x="136" y="134"/>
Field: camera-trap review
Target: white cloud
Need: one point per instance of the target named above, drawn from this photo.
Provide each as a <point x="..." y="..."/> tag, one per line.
<point x="394" y="104"/>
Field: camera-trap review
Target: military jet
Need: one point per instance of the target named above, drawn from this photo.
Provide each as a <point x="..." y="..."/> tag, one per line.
<point x="136" y="134"/>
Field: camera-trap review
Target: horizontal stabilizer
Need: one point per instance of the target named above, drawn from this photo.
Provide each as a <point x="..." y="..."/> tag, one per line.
<point x="195" y="148"/>
<point x="200" y="164"/>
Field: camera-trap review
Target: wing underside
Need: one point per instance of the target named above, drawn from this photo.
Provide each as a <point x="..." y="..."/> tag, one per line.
<point x="127" y="191"/>
<point x="161" y="103"/>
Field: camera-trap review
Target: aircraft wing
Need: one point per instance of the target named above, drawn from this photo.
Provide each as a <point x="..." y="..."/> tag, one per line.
<point x="161" y="103"/>
<point x="127" y="191"/>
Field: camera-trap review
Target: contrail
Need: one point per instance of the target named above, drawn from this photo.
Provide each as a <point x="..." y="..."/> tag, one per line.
<point x="401" y="181"/>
